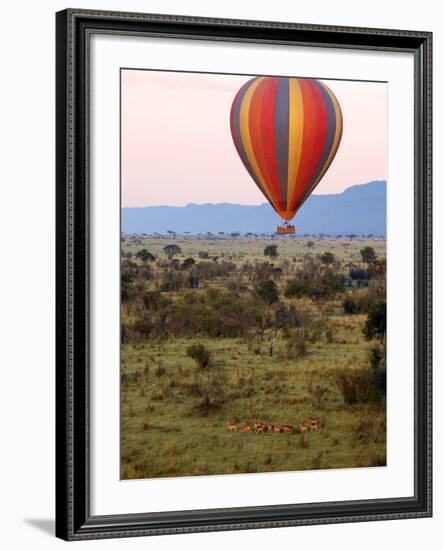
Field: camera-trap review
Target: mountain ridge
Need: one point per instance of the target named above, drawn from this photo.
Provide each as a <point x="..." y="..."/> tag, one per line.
<point x="360" y="209"/>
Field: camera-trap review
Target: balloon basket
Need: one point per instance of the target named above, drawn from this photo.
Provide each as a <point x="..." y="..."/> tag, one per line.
<point x="285" y="229"/>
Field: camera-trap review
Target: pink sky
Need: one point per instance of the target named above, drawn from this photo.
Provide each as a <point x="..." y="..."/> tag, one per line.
<point x="177" y="146"/>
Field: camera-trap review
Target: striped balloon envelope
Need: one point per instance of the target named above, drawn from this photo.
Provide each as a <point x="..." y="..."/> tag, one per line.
<point x="287" y="132"/>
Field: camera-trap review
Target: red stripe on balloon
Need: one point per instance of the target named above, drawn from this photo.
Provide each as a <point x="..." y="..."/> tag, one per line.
<point x="255" y="115"/>
<point x="308" y="141"/>
<point x="320" y="133"/>
<point x="268" y="140"/>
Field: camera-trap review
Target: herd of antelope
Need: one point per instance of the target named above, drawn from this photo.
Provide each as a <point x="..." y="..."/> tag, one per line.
<point x="262" y="427"/>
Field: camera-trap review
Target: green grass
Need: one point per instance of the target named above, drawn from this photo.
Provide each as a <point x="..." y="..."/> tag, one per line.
<point x="166" y="433"/>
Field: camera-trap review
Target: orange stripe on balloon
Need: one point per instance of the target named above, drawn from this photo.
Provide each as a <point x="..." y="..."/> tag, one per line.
<point x="295" y="137"/>
<point x="245" y="135"/>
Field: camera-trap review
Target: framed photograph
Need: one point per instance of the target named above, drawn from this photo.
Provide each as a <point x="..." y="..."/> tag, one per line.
<point x="243" y="274"/>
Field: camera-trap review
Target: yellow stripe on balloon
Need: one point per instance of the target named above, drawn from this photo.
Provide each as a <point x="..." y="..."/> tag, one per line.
<point x="335" y="143"/>
<point x="295" y="135"/>
<point x="246" y="136"/>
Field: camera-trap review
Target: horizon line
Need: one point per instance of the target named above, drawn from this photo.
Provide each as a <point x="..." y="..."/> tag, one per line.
<point x="251" y="204"/>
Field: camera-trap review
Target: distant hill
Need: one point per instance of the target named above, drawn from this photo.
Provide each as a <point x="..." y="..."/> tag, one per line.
<point x="360" y="209"/>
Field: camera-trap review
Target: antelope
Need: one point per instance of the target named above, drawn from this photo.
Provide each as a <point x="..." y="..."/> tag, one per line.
<point x="303" y="428"/>
<point x="259" y="428"/>
<point x="246" y="427"/>
<point x="270" y="427"/>
<point x="313" y="423"/>
<point x="288" y="428"/>
<point x="258" y="425"/>
<point x="277" y="428"/>
<point x="232" y="426"/>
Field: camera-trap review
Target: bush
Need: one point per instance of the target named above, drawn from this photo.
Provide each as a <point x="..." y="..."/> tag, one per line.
<point x="314" y="285"/>
<point x="200" y="354"/>
<point x="363" y="386"/>
<point x="172" y="250"/>
<point x="268" y="292"/>
<point x="172" y="282"/>
<point x="296" y="347"/>
<point x="327" y="258"/>
<point x="368" y="254"/>
<point x="145" y="256"/>
<point x="358" y="274"/>
<point x="349" y="306"/>
<point x="375" y="326"/>
<point x="212" y="394"/>
<point x="189" y="262"/>
<point x="355" y="386"/>
<point x="360" y="301"/>
<point x="151" y="300"/>
<point x="271" y="250"/>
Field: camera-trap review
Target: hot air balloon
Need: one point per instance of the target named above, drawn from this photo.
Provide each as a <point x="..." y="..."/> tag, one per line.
<point x="287" y="132"/>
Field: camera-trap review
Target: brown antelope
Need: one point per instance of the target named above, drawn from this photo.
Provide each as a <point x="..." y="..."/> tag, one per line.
<point x="259" y="428"/>
<point x="313" y="423"/>
<point x="277" y="428"/>
<point x="270" y="427"/>
<point x="303" y="428"/>
<point x="232" y="426"/>
<point x="288" y="428"/>
<point x="258" y="425"/>
<point x="246" y="427"/>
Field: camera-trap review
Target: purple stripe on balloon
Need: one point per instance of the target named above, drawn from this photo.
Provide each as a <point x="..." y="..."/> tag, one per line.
<point x="281" y="129"/>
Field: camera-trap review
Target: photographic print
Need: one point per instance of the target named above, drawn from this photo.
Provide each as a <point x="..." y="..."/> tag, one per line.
<point x="253" y="274"/>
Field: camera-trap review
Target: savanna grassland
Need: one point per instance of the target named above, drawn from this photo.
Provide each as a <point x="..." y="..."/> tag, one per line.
<point x="215" y="332"/>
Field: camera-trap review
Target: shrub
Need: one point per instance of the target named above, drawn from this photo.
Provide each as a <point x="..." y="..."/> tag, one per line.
<point x="268" y="292"/>
<point x="354" y="386"/>
<point x="160" y="371"/>
<point x="375" y="326"/>
<point x="151" y="300"/>
<point x="358" y="274"/>
<point x="297" y="289"/>
<point x="350" y="306"/>
<point x="327" y="258"/>
<point x="360" y="301"/>
<point x="145" y="256"/>
<point x="172" y="250"/>
<point x="271" y="250"/>
<point x="296" y="347"/>
<point x="172" y="282"/>
<point x="368" y="254"/>
<point x="189" y="262"/>
<point x="362" y="386"/>
<point x="212" y="395"/>
<point x="200" y="354"/>
<point x="316" y="288"/>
